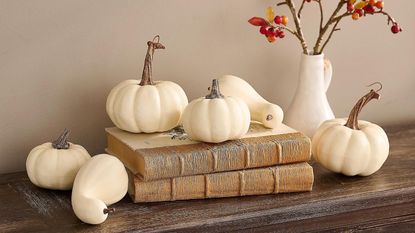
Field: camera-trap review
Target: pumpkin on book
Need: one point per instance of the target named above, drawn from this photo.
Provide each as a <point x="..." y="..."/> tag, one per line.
<point x="146" y="105"/>
<point x="173" y="154"/>
<point x="216" y="118"/>
<point x="289" y="178"/>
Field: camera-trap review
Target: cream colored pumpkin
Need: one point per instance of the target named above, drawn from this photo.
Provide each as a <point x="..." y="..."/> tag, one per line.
<point x="102" y="181"/>
<point x="53" y="168"/>
<point x="349" y="146"/>
<point x="216" y="118"/>
<point x="146" y="106"/>
<point x="269" y="114"/>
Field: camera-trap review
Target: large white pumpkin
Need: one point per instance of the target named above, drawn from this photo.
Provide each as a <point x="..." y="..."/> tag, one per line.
<point x="102" y="181"/>
<point x="145" y="105"/>
<point x="349" y="146"/>
<point x="53" y="165"/>
<point x="216" y="118"/>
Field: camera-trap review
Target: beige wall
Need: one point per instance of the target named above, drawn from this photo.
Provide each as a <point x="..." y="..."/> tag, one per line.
<point x="59" y="59"/>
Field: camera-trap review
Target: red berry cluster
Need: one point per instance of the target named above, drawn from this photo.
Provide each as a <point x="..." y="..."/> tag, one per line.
<point x="268" y="29"/>
<point x="360" y="8"/>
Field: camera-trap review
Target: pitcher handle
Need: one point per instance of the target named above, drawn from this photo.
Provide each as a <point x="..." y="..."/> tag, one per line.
<point x="328" y="72"/>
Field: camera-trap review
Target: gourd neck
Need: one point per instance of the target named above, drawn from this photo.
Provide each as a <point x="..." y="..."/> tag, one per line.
<point x="147" y="76"/>
<point x="214" y="91"/>
<point x="62" y="141"/>
<point x="352" y="121"/>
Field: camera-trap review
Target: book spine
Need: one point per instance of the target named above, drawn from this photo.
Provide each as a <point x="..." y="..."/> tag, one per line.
<point x="240" y="154"/>
<point x="272" y="180"/>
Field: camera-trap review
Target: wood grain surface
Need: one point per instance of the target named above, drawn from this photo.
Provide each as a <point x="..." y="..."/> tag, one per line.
<point x="384" y="201"/>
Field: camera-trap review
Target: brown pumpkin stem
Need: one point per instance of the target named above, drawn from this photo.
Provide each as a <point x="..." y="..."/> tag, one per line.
<point x="109" y="210"/>
<point x="147" y="76"/>
<point x="352" y="121"/>
<point x="214" y="91"/>
<point x="62" y="141"/>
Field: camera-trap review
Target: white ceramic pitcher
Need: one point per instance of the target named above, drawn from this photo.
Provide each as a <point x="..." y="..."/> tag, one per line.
<point x="309" y="107"/>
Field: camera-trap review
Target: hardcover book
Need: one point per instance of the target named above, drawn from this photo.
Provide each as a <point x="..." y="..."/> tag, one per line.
<point x="173" y="154"/>
<point x="297" y="177"/>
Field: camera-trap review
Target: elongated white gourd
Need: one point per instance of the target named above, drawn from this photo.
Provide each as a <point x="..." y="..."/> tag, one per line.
<point x="102" y="181"/>
<point x="269" y="114"/>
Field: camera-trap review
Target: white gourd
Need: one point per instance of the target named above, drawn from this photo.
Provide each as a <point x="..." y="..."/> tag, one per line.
<point x="351" y="146"/>
<point x="53" y="165"/>
<point x="102" y="181"/>
<point x="146" y="106"/>
<point x="216" y="118"/>
<point x="269" y="114"/>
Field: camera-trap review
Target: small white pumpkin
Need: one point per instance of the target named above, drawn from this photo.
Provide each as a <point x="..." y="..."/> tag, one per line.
<point x="216" y="118"/>
<point x="349" y="146"/>
<point x="53" y="165"/>
<point x="269" y="114"/>
<point x="102" y="181"/>
<point x="146" y="106"/>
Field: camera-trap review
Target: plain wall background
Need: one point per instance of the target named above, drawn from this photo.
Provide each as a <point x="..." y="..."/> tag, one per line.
<point x="60" y="59"/>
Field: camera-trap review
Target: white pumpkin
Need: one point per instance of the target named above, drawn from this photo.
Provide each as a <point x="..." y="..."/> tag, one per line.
<point x="53" y="165"/>
<point x="216" y="118"/>
<point x="102" y="181"/>
<point x="146" y="106"/>
<point x="269" y="114"/>
<point x="349" y="146"/>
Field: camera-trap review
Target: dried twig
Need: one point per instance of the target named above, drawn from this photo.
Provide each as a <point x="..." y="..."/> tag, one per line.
<point x="301" y="9"/>
<point x="297" y="22"/>
<point x="334" y="28"/>
<point x="337" y="20"/>
<point x="390" y="19"/>
<point x="329" y="22"/>
<point x="320" y="5"/>
<point x="282" y="3"/>
<point x="329" y="27"/>
<point x="282" y="27"/>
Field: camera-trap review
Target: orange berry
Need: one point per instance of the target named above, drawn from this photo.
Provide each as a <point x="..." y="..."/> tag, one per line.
<point x="284" y="20"/>
<point x="372" y="2"/>
<point x="271" y="39"/>
<point x="355" y="16"/>
<point x="380" y="4"/>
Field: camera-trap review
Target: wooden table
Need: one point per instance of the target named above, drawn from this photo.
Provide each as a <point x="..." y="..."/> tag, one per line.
<point x="383" y="201"/>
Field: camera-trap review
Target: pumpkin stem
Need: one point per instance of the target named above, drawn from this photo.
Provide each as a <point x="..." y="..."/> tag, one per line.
<point x="62" y="141"/>
<point x="146" y="78"/>
<point x="352" y="121"/>
<point x="109" y="210"/>
<point x="214" y="91"/>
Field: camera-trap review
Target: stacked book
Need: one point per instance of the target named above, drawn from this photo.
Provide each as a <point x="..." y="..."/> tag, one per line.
<point x="169" y="166"/>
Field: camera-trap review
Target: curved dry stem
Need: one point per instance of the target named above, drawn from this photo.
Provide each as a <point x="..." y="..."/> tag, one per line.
<point x="214" y="91"/>
<point x="62" y="141"/>
<point x="147" y="76"/>
<point x="352" y="121"/>
<point x="109" y="210"/>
